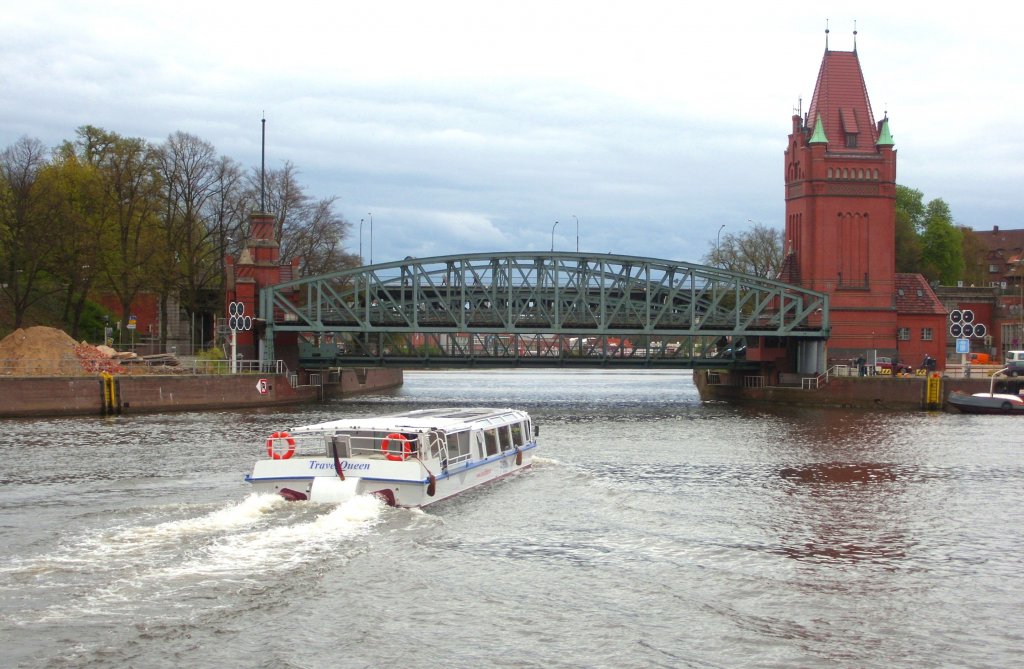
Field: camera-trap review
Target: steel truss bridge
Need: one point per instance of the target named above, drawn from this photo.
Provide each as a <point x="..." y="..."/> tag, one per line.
<point x="539" y="309"/>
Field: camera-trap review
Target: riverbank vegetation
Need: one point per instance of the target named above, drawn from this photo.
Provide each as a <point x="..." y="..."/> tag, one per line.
<point x="108" y="214"/>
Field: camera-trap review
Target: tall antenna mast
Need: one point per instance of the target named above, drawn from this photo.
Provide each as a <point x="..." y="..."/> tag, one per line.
<point x="263" y="164"/>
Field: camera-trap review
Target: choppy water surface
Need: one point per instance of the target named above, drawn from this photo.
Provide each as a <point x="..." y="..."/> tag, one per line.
<point x="654" y="531"/>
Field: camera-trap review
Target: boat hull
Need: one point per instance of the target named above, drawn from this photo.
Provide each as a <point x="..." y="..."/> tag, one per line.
<point x="403" y="484"/>
<point x="985" y="403"/>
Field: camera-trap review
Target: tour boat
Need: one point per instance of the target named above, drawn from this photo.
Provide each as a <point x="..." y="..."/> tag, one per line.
<point x="408" y="459"/>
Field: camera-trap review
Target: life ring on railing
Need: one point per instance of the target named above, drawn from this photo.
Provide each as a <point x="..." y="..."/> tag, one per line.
<point x="272" y="452"/>
<point x="385" y="447"/>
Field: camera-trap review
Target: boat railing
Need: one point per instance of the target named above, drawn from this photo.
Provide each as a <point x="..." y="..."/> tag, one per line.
<point x="432" y="446"/>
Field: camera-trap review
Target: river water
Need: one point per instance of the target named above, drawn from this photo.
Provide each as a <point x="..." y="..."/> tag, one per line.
<point x="653" y="531"/>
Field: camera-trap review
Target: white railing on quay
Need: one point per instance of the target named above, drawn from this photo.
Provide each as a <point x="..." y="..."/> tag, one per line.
<point x="816" y="382"/>
<point x="73" y="366"/>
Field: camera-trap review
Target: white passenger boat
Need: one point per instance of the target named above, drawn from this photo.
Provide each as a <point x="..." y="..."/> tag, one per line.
<point x="408" y="459"/>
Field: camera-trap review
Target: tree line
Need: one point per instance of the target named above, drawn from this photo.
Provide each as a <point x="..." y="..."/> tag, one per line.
<point x="928" y="242"/>
<point x="121" y="215"/>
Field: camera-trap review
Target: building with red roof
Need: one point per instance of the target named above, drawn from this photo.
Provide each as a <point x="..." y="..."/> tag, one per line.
<point x="840" y="181"/>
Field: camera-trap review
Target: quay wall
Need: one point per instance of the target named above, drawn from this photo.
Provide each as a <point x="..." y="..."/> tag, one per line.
<point x="22" y="397"/>
<point x="872" y="392"/>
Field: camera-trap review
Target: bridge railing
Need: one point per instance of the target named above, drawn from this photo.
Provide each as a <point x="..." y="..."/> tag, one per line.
<point x="529" y="293"/>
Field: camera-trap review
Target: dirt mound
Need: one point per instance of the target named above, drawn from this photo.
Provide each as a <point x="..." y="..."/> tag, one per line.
<point x="43" y="351"/>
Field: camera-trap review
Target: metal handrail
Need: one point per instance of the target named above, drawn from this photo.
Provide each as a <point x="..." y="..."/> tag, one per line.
<point x="816" y="382"/>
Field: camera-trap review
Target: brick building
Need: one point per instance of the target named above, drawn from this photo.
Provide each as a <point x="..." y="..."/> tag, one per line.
<point x="257" y="266"/>
<point x="840" y="190"/>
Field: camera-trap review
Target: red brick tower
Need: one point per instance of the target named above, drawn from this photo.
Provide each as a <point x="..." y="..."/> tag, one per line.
<point x="840" y="171"/>
<point x="258" y="265"/>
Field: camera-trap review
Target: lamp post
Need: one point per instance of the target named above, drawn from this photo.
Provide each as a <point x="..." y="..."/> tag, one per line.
<point x="577" y="233"/>
<point x="718" y="244"/>
<point x="553" y="236"/>
<point x="371" y="237"/>
<point x="361" y="241"/>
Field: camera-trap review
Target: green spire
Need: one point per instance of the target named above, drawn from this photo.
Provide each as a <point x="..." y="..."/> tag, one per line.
<point x="819" y="133"/>
<point x="884" y="136"/>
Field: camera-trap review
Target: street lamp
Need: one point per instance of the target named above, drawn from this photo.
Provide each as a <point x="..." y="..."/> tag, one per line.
<point x="718" y="244"/>
<point x="577" y="233"/>
<point x="371" y="237"/>
<point x="361" y="241"/>
<point x="553" y="236"/>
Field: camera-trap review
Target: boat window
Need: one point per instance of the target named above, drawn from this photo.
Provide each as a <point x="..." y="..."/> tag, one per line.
<point x="458" y="445"/>
<point x="517" y="434"/>
<point x="505" y="434"/>
<point x="491" y="439"/>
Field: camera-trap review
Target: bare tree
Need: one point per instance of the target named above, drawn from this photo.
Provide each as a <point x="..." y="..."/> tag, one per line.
<point x="758" y="252"/>
<point x="190" y="171"/>
<point x="25" y="215"/>
<point x="308" y="229"/>
<point x="227" y="210"/>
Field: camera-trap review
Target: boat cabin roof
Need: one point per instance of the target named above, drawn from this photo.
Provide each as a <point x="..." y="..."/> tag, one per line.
<point x="448" y="419"/>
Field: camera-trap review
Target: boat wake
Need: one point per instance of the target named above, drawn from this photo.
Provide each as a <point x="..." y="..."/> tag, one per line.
<point x="155" y="568"/>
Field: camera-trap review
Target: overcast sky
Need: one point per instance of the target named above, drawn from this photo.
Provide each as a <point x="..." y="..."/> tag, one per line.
<point x="474" y="126"/>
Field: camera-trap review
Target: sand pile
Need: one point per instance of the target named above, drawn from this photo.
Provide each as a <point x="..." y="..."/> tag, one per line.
<point x="43" y="351"/>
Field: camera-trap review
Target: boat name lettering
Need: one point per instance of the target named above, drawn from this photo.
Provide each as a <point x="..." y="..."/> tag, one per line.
<point x="345" y="464"/>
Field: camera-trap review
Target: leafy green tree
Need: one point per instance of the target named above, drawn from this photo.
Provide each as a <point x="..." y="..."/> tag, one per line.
<point x="927" y="240"/>
<point x="909" y="222"/>
<point x="942" y="245"/>
<point x="76" y="189"/>
<point x="130" y="204"/>
<point x="975" y="261"/>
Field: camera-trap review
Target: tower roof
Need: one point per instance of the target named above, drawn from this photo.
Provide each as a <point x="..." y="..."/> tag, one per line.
<point x="841" y="101"/>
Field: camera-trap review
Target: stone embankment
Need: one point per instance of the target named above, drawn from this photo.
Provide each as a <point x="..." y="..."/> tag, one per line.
<point x="886" y="393"/>
<point x="44" y="372"/>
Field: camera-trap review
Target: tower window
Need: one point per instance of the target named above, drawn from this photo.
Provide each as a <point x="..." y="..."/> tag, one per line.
<point x="851" y="140"/>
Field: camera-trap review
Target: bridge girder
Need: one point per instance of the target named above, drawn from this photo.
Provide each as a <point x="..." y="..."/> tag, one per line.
<point x="523" y="295"/>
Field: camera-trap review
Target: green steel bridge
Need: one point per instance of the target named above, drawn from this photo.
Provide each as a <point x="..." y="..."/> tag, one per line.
<point x="537" y="309"/>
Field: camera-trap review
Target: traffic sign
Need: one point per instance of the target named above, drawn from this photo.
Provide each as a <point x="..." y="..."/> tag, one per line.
<point x="963" y="345"/>
<point x="263" y="386"/>
<point x="237" y="320"/>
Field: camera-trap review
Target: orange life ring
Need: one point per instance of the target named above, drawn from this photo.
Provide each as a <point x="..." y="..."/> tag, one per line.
<point x="272" y="452"/>
<point x="385" y="447"/>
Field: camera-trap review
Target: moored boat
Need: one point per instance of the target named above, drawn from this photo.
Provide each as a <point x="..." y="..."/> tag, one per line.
<point x="408" y="459"/>
<point x="987" y="403"/>
<point x="990" y="402"/>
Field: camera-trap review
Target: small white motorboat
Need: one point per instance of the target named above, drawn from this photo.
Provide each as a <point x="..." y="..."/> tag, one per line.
<point x="408" y="459"/>
<point x="987" y="403"/>
<point x="990" y="402"/>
